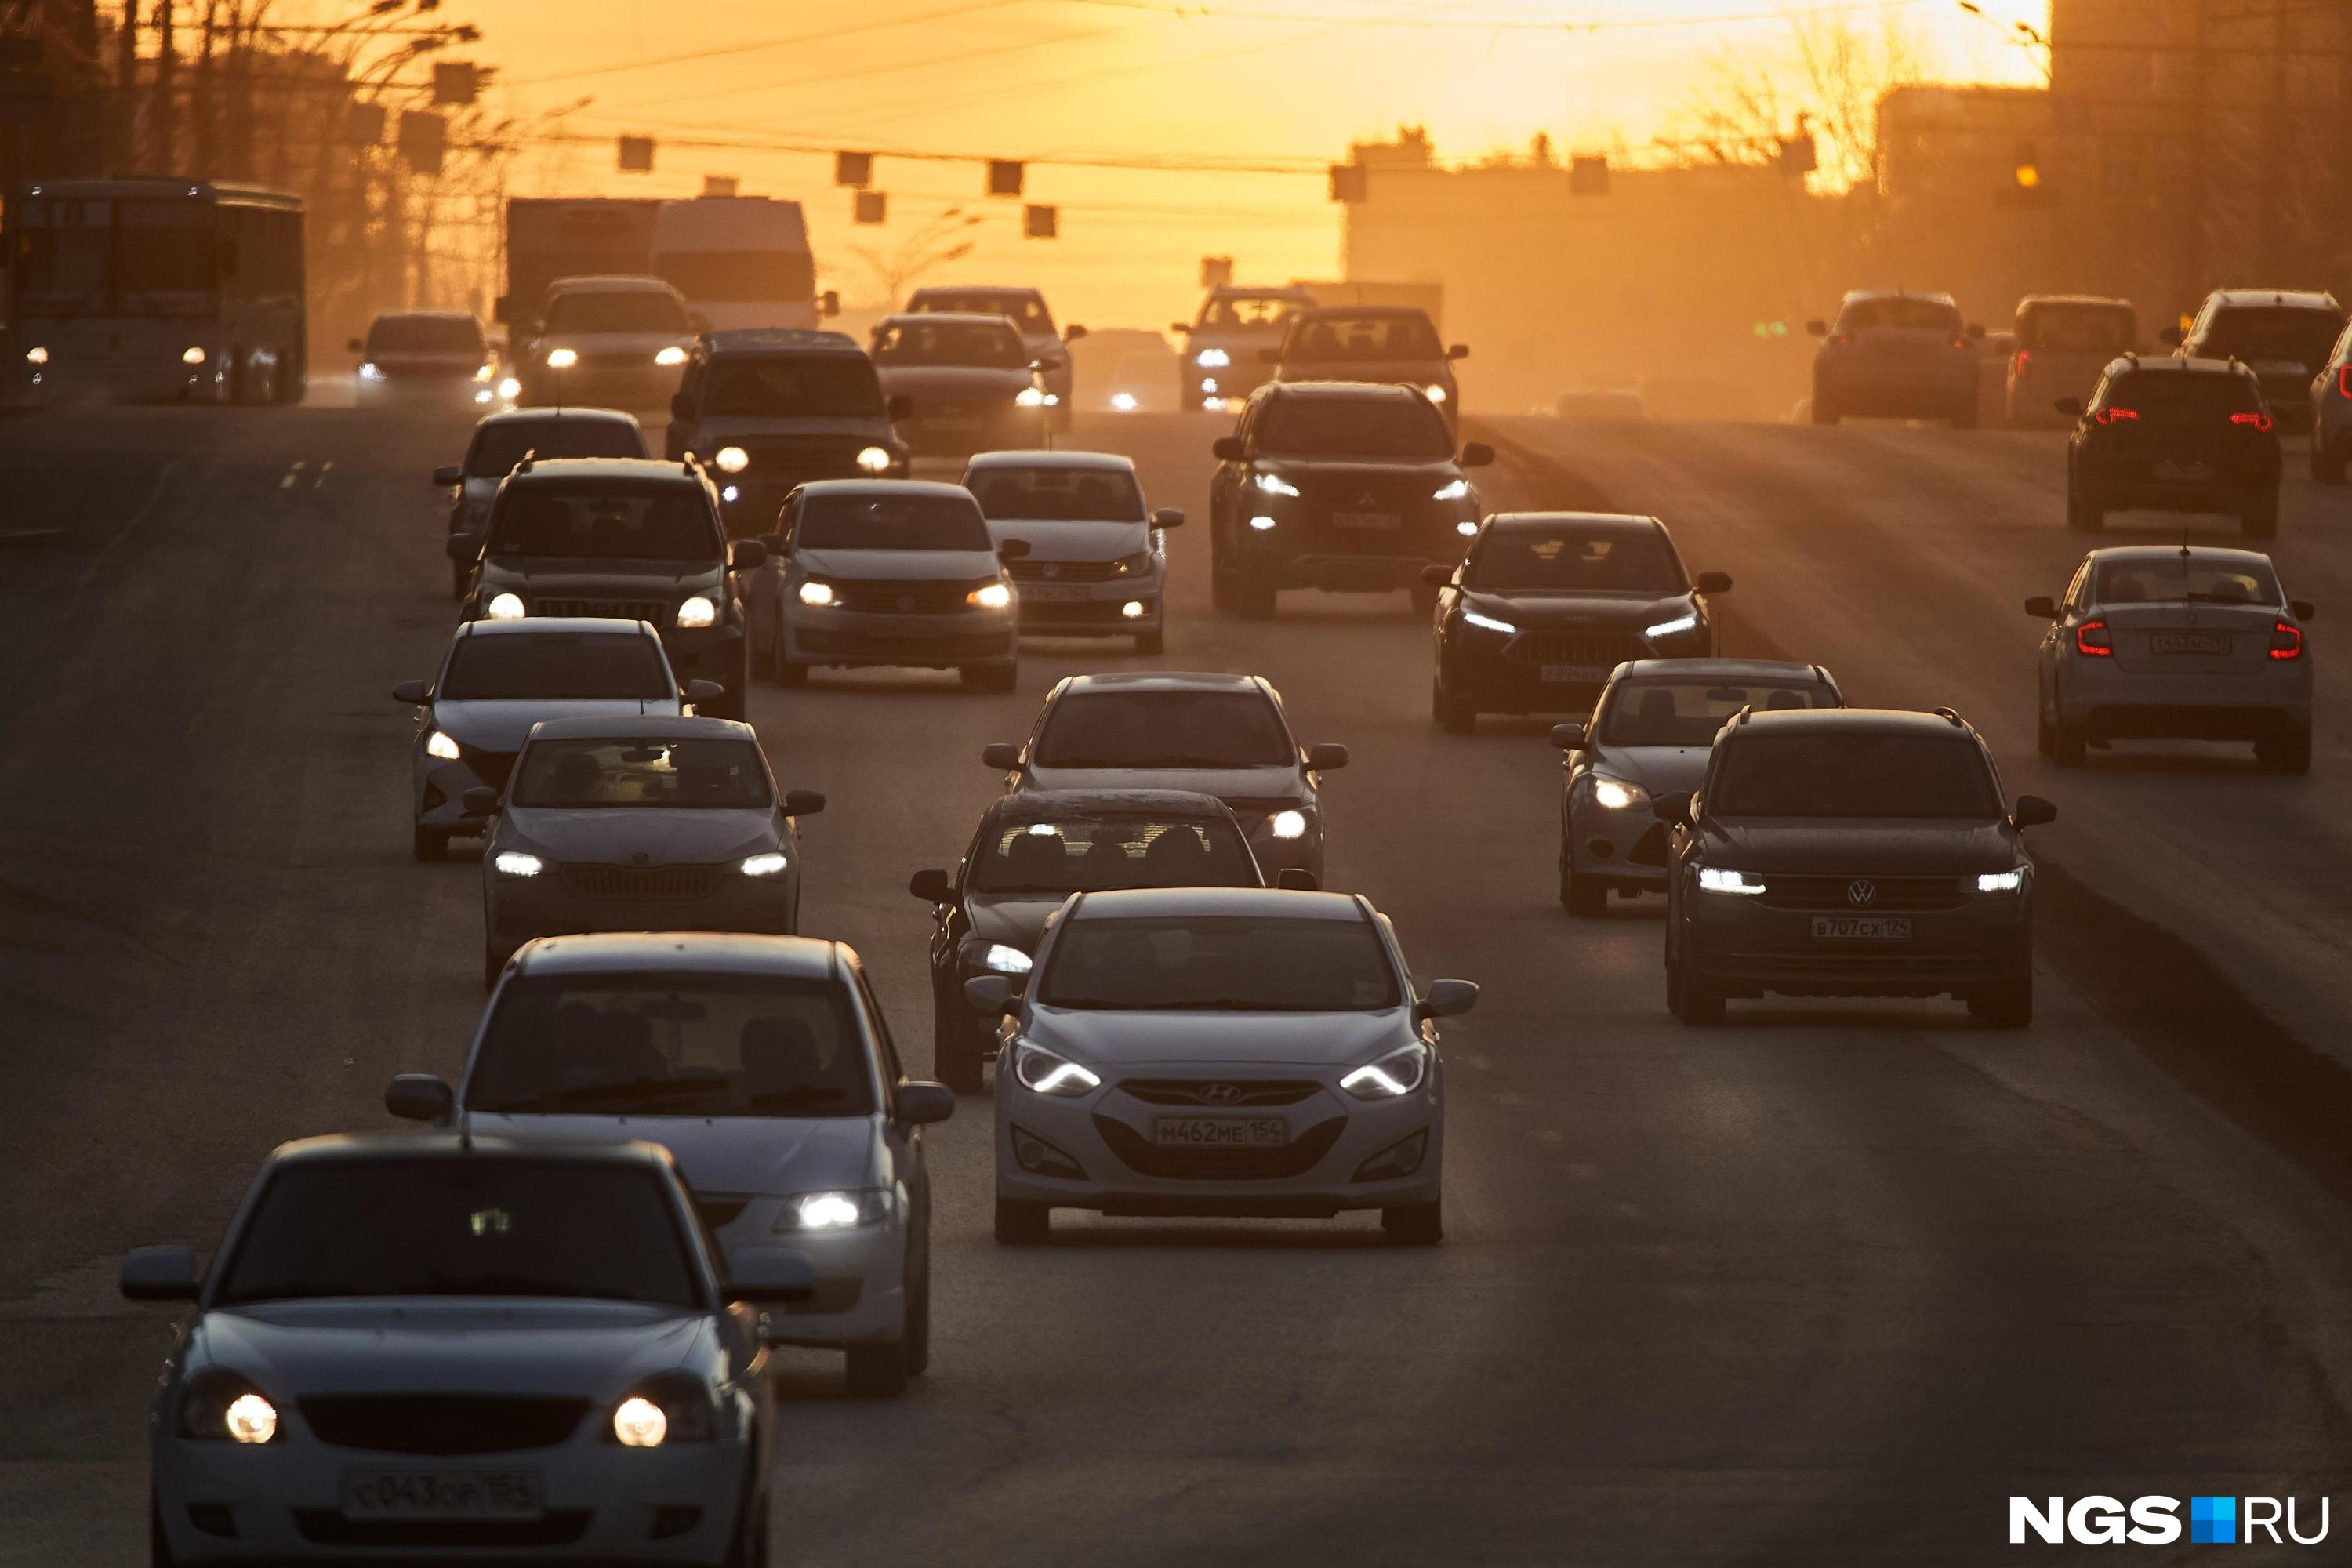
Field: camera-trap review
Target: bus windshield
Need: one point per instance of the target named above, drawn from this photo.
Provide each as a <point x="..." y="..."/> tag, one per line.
<point x="107" y="258"/>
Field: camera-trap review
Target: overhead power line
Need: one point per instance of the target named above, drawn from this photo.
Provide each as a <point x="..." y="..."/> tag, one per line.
<point x="969" y="8"/>
<point x="1183" y="163"/>
<point x="1522" y="23"/>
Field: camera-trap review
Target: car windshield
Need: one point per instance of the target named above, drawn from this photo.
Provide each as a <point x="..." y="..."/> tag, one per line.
<point x="977" y="345"/>
<point x="1364" y="338"/>
<point x="499" y="445"/>
<point x="453" y="335"/>
<point x="2078" y="329"/>
<point x="1027" y="311"/>
<point x="1855" y="774"/>
<point x="1165" y="730"/>
<point x="1575" y="557"/>
<point x="1242" y="963"/>
<point x="1377" y="426"/>
<point x="671" y="1045"/>
<point x="1091" y="854"/>
<point x="610" y="521"/>
<point x="865" y="521"/>
<point x="2195" y="580"/>
<point x="706" y="774"/>
<point x="555" y="666"/>
<point x="1690" y="712"/>
<point x="2255" y="333"/>
<point x="1056" y="495"/>
<point x="1245" y="313"/>
<point x="1902" y="315"/>
<point x="2182" y="394"/>
<point x="480" y="1225"/>
<point x="838" y="386"/>
<point x="616" y="311"/>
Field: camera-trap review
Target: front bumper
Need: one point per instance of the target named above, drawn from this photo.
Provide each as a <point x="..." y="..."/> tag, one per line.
<point x="1935" y="390"/>
<point x="517" y="910"/>
<point x="860" y="1298"/>
<point x="1091" y="609"/>
<point x="455" y="392"/>
<point x="439" y="786"/>
<point x="1539" y="672"/>
<point x="816" y="636"/>
<point x="1303" y="551"/>
<point x="1624" y="849"/>
<point x="626" y="387"/>
<point x="1743" y="947"/>
<point x="960" y="435"/>
<point x="706" y="653"/>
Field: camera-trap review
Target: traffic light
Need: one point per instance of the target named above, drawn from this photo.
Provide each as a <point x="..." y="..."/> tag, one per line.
<point x="870" y="206"/>
<point x="637" y="155"/>
<point x="854" y="168"/>
<point x="456" y="81"/>
<point x="1005" y="176"/>
<point x="1041" y="222"/>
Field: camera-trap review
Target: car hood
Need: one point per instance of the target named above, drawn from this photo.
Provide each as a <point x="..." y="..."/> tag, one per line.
<point x="1304" y="1039"/>
<point x="1228" y="785"/>
<point x="1660" y="770"/>
<point x="428" y="363"/>
<point x="937" y="380"/>
<point x="627" y="579"/>
<point x="1837" y="846"/>
<point x="500" y="725"/>
<point x="1419" y="371"/>
<point x="710" y="434"/>
<point x="1437" y="471"/>
<point x="900" y="565"/>
<point x="1016" y="920"/>
<point x="620" y="835"/>
<point x="1074" y="541"/>
<point x="770" y="1156"/>
<point x="1565" y="610"/>
<point x="590" y="1349"/>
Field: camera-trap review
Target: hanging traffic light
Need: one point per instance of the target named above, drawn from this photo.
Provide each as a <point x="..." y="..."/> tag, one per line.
<point x="637" y="155"/>
<point x="871" y="206"/>
<point x="854" y="168"/>
<point x="1005" y="176"/>
<point x="1041" y="222"/>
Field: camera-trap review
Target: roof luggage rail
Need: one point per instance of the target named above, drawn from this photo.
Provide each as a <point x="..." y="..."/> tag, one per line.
<point x="1954" y="719"/>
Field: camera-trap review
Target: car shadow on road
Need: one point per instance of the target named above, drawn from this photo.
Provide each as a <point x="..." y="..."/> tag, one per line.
<point x="1102" y="1234"/>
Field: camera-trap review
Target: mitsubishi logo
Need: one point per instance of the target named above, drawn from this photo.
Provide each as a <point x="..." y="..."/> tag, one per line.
<point x="1219" y="1093"/>
<point x="1368" y="499"/>
<point x="1862" y="891"/>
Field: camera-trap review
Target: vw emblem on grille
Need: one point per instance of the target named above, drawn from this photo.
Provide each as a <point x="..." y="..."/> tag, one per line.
<point x="1053" y="568"/>
<point x="1862" y="891"/>
<point x="1219" y="1093"/>
<point x="906" y="601"/>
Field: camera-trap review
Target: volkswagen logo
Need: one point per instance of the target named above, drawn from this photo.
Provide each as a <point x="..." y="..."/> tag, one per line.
<point x="1053" y="568"/>
<point x="1862" y="892"/>
<point x="1219" y="1093"/>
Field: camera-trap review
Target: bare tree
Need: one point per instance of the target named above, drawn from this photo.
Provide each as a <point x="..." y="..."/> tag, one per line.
<point x="1826" y="76"/>
<point x="931" y="245"/>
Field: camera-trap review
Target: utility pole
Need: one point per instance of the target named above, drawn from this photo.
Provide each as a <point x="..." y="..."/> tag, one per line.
<point x="2193" y="253"/>
<point x="122" y="156"/>
<point x="202" y="103"/>
<point x="167" y="86"/>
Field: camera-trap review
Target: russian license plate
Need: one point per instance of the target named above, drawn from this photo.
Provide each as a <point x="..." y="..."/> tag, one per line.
<point x="1051" y="593"/>
<point x="1575" y="674"/>
<point x="1219" y="1131"/>
<point x="2210" y="644"/>
<point x="1863" y="928"/>
<point x="2184" y="473"/>
<point x="1366" y="520"/>
<point x="441" y="1494"/>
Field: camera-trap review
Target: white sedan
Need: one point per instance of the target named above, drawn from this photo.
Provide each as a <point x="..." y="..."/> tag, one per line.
<point x="2184" y="643"/>
<point x="1242" y="1051"/>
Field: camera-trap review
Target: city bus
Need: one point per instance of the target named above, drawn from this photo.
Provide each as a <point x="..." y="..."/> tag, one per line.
<point x="159" y="290"/>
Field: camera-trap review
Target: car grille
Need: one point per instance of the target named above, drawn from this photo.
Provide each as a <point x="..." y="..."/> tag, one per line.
<point x="655" y="610"/>
<point x="1293" y="1159"/>
<point x="1604" y="649"/>
<point x="648" y="882"/>
<point x="1219" y="1091"/>
<point x="776" y="462"/>
<point x="1062" y="571"/>
<point x="557" y="1527"/>
<point x="913" y="648"/>
<point x="1894" y="894"/>
<point x="889" y="598"/>
<point x="442" y="1422"/>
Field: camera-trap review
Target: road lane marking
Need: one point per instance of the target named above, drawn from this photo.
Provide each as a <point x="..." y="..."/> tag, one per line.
<point x="323" y="470"/>
<point x="292" y="474"/>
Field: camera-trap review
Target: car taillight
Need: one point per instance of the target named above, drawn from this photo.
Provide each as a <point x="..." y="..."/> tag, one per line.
<point x="1959" y="342"/>
<point x="2024" y="358"/>
<point x="2091" y="639"/>
<point x="1842" y="340"/>
<point x="2287" y="641"/>
<point x="2114" y="415"/>
<point x="2344" y="381"/>
<point x="2257" y="421"/>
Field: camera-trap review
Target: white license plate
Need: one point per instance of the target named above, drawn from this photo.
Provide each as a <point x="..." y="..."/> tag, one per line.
<point x="1575" y="674"/>
<point x="2210" y="644"/>
<point x="2184" y="473"/>
<point x="1863" y="928"/>
<point x="1051" y="593"/>
<point x="1219" y="1131"/>
<point x="441" y="1494"/>
<point x="1366" y="520"/>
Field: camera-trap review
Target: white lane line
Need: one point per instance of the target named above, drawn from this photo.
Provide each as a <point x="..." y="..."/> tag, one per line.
<point x="325" y="468"/>
<point x="18" y="535"/>
<point x="292" y="474"/>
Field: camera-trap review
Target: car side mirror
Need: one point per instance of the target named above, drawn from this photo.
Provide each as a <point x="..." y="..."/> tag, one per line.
<point x="932" y="887"/>
<point x="355" y="346"/>
<point x="747" y="556"/>
<point x="1297" y="880"/>
<point x="901" y="406"/>
<point x="1672" y="809"/>
<point x="1324" y="758"/>
<point x="1457" y="351"/>
<point x="2304" y="609"/>
<point x="1002" y="755"/>
<point x="1228" y="449"/>
<point x="804" y="801"/>
<point x="448" y="474"/>
<point x="1437" y="577"/>
<point x="1269" y="356"/>
<point x="989" y="995"/>
<point x="1012" y="549"/>
<point x="1975" y="331"/>
<point x="462" y="547"/>
<point x="2032" y="811"/>
<point x="923" y="1102"/>
<point x="1168" y="517"/>
<point x="1817" y="329"/>
<point x="2070" y="406"/>
<point x="1715" y="581"/>
<point x="480" y="801"/>
<point x="2042" y="607"/>
<point x="2172" y="337"/>
<point x="1181" y="329"/>
<point x="1569" y="737"/>
<point x="415" y="693"/>
<point x="160" y="1274"/>
<point x="1448" y="999"/>
<point x="699" y="692"/>
<point x="419" y="1096"/>
<point x="769" y="1276"/>
<point x="1476" y="455"/>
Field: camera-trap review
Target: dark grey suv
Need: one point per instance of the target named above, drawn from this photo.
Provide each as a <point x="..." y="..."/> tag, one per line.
<point x="1850" y="852"/>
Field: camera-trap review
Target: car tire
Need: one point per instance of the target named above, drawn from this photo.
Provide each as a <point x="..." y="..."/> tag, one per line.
<point x="1824" y="411"/>
<point x="762" y="662"/>
<point x="996" y="675"/>
<point x="1256" y="601"/>
<point x="956" y="1056"/>
<point x="1415" y="1225"/>
<point x="2045" y="731"/>
<point x="916" y="1333"/>
<point x="2259" y="519"/>
<point x="159" y="1546"/>
<point x="2068" y="742"/>
<point x="1453" y="715"/>
<point x="877" y="1371"/>
<point x="2284" y="750"/>
<point x="2006" y="1006"/>
<point x="1424" y="600"/>
<point x="1586" y="898"/>
<point x="429" y="843"/>
<point x="2083" y="515"/>
<point x="1224" y="593"/>
<point x="1965" y="417"/>
<point x="790" y="676"/>
<point x="459" y="577"/>
<point x="1693" y="1001"/>
<point x="2326" y="462"/>
<point x="493" y="960"/>
<point x="750" y="1547"/>
<point x="1022" y="1224"/>
<point x="1150" y="645"/>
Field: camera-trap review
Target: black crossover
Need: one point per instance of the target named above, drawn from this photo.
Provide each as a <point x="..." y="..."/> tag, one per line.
<point x="2174" y="434"/>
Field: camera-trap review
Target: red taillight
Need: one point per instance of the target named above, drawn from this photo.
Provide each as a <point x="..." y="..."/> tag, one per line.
<point x="2091" y="639"/>
<point x="2344" y="381"/>
<point x="2114" y="415"/>
<point x="2287" y="641"/>
<point x="2024" y="358"/>
<point x="1959" y="342"/>
<point x="2257" y="421"/>
<point x="1842" y="340"/>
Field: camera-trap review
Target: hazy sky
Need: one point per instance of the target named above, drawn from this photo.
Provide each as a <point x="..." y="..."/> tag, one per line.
<point x="1284" y="82"/>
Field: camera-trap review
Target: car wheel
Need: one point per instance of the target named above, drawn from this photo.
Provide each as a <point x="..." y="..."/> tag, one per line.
<point x="493" y="960"/>
<point x="2069" y="741"/>
<point x="1585" y="897"/>
<point x="1415" y="1225"/>
<point x="1424" y="600"/>
<point x="1454" y="716"/>
<point x="955" y="1054"/>
<point x="761" y="661"/>
<point x="459" y="577"/>
<point x="1695" y="1002"/>
<point x="2046" y="730"/>
<point x="2284" y="750"/>
<point x="2005" y="1006"/>
<point x="879" y="1371"/>
<point x="1149" y="642"/>
<point x="2082" y="514"/>
<point x="1256" y="601"/>
<point x="1224" y="593"/>
<point x="1965" y="417"/>
<point x="158" y="1548"/>
<point x="2259" y="519"/>
<point x="916" y="1333"/>
<point x="429" y="843"/>
<point x="997" y="675"/>
<point x="1824" y="411"/>
<point x="1022" y="1224"/>
<point x="749" y="1548"/>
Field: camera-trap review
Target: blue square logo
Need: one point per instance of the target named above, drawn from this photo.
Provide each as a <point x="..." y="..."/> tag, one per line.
<point x="2213" y="1520"/>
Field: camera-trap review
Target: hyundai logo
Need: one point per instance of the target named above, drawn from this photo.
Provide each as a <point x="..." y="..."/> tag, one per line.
<point x="1219" y="1093"/>
<point x="1862" y="892"/>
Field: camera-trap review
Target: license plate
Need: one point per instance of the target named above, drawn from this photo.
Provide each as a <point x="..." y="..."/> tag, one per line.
<point x="1575" y="674"/>
<point x="2208" y="643"/>
<point x="2184" y="473"/>
<point x="441" y="1494"/>
<point x="1863" y="928"/>
<point x="1051" y="593"/>
<point x="1366" y="520"/>
<point x="1219" y="1131"/>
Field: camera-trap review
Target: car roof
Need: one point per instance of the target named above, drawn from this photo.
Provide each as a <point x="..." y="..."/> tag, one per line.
<point x="2161" y="552"/>
<point x="542" y="471"/>
<point x="1339" y="390"/>
<point x="1043" y="805"/>
<point x="337" y="1147"/>
<point x="1853" y="721"/>
<point x="779" y="341"/>
<point x="1009" y="290"/>
<point x="2293" y="298"/>
<point x="1281" y="903"/>
<point x="1857" y="296"/>
<point x="1329" y="312"/>
<point x="646" y="727"/>
<point x="885" y="488"/>
<point x="2176" y="364"/>
<point x="1035" y="459"/>
<point x="1718" y="668"/>
<point x="613" y="282"/>
<point x="552" y="415"/>
<point x="547" y="625"/>
<point x="1160" y="680"/>
<point x="926" y="318"/>
<point x="724" y="953"/>
<point x="1629" y="522"/>
<point x="2108" y="300"/>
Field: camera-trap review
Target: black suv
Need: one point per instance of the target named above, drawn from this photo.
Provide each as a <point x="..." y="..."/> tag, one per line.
<point x="2282" y="336"/>
<point x="1337" y="485"/>
<point x="768" y="409"/>
<point x="2173" y="435"/>
<point x="1372" y="342"/>
<point x="631" y="539"/>
<point x="1850" y="852"/>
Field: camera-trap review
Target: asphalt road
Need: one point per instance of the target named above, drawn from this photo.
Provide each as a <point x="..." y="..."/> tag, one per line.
<point x="1825" y="1285"/>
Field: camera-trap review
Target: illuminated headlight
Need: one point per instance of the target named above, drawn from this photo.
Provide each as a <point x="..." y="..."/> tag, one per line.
<point x="995" y="597"/>
<point x="1123" y="401"/>
<point x="515" y="863"/>
<point x="873" y="459"/>
<point x="730" y="493"/>
<point x="222" y="1407"/>
<point x="1211" y="405"/>
<point x="484" y="372"/>
<point x="818" y="593"/>
<point x="1716" y="880"/>
<point x="1616" y="795"/>
<point x="699" y="611"/>
<point x="1275" y="485"/>
<point x="732" y="459"/>
<point x="1397" y="1073"/>
<point x="1132" y="565"/>
<point x="367" y="371"/>
<point x="766" y="865"/>
<point x="674" y="1407"/>
<point x="1213" y="359"/>
<point x="1209" y="384"/>
<point x="1132" y="610"/>
<point x="1466" y="529"/>
<point x="1486" y="623"/>
<point x="1675" y="627"/>
<point x="1004" y="960"/>
<point x="670" y="355"/>
<point x="2007" y="881"/>
<point x="835" y="1211"/>
<point x="1037" y="397"/>
<point x="438" y="744"/>
<point x="1436" y="394"/>
<point x="639" y="1423"/>
<point x="1049" y="1074"/>
<point x="197" y="355"/>
<point x="561" y="359"/>
<point x="506" y="607"/>
<point x="1455" y="489"/>
<point x="483" y="395"/>
<point x="1261" y="525"/>
<point x="510" y="387"/>
<point x="37" y="355"/>
<point x="1291" y="824"/>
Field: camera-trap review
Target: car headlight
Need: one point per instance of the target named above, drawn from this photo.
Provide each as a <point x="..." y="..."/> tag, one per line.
<point x="194" y="354"/>
<point x="438" y="744"/>
<point x="674" y="1407"/>
<point x="731" y="493"/>
<point x="510" y="387"/>
<point x="1397" y="1073"/>
<point x="994" y="596"/>
<point x="1436" y="394"/>
<point x="37" y="355"/>
<point x="506" y="607"/>
<point x="815" y="593"/>
<point x="1123" y="401"/>
<point x="561" y="359"/>
<point x="701" y="610"/>
<point x="1716" y="880"/>
<point x="1453" y="489"/>
<point x="1275" y="485"/>
<point x="1290" y="824"/>
<point x="1132" y="565"/>
<point x="2008" y="881"/>
<point x="1466" y="529"/>
<point x="1033" y="398"/>
<point x="1049" y="1074"/>
<point x="1616" y="795"/>
<point x="1261" y="525"/>
<point x="1213" y="359"/>
<point x="1003" y="960"/>
<point x="732" y="459"/>
<point x="515" y="863"/>
<point x="1675" y="627"/>
<point x="835" y="1211"/>
<point x="219" y="1405"/>
<point x="484" y="372"/>
<point x="670" y="355"/>
<point x="766" y="865"/>
<point x="367" y="371"/>
<point x="1486" y="623"/>
<point x="873" y="459"/>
